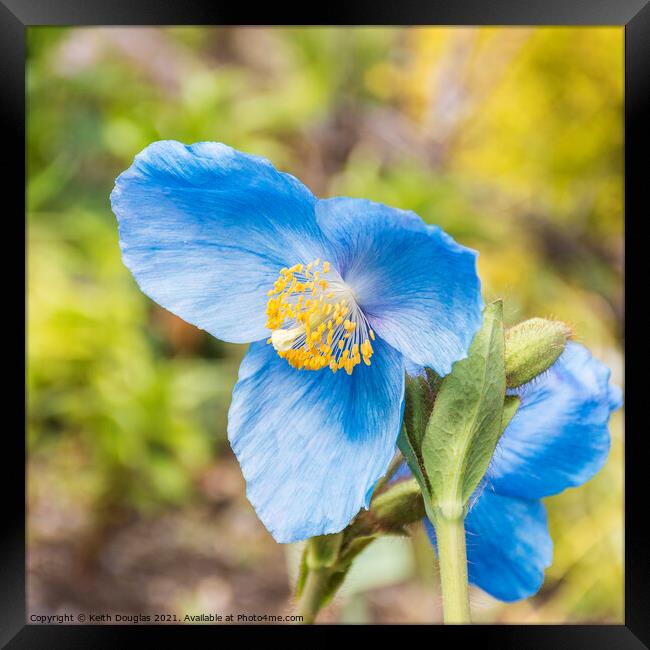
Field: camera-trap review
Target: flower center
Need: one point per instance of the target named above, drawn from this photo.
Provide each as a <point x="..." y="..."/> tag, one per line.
<point x="315" y="319"/>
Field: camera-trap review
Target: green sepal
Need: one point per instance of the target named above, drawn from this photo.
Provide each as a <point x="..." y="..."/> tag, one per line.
<point x="465" y="424"/>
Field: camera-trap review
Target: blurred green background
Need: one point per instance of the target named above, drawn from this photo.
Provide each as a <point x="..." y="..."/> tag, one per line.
<point x="510" y="139"/>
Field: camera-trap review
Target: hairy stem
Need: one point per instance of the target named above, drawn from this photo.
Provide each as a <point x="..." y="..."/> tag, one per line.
<point x="452" y="559"/>
<point x="311" y="597"/>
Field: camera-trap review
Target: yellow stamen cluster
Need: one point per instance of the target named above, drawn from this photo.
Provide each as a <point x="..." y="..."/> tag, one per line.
<point x="315" y="320"/>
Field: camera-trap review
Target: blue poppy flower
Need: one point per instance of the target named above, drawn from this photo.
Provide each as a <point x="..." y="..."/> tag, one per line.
<point x="333" y="295"/>
<point x="558" y="438"/>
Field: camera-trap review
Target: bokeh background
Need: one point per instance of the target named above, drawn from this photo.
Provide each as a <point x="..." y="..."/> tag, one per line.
<point x="510" y="139"/>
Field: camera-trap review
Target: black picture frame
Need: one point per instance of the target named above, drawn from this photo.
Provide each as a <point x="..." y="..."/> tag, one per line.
<point x="634" y="15"/>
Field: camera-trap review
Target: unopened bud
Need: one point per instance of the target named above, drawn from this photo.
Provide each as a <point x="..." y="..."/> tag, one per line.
<point x="532" y="347"/>
<point x="399" y="506"/>
<point x="323" y="550"/>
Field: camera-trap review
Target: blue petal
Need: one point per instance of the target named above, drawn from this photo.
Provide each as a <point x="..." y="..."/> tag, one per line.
<point x="559" y="437"/>
<point x="312" y="444"/>
<point x="417" y="286"/>
<point x="206" y="229"/>
<point x="508" y="545"/>
<point x="413" y="369"/>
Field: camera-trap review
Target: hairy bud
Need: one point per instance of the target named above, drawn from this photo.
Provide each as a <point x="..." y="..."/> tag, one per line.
<point x="532" y="347"/>
<point x="399" y="506"/>
<point x="323" y="550"/>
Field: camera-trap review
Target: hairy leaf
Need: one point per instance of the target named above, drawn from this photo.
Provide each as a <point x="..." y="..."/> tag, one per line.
<point x="466" y="421"/>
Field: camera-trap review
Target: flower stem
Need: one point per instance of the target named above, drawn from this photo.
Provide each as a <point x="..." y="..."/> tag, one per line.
<point x="311" y="597"/>
<point x="452" y="559"/>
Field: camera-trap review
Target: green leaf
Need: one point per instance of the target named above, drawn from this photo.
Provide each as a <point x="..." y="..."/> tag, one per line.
<point x="320" y="552"/>
<point x="510" y="406"/>
<point x="339" y="572"/>
<point x="406" y="445"/>
<point x="419" y="397"/>
<point x="420" y="393"/>
<point x="466" y="421"/>
<point x="332" y="577"/>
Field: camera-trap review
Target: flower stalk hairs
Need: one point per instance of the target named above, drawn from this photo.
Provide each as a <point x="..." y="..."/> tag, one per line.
<point x="367" y="331"/>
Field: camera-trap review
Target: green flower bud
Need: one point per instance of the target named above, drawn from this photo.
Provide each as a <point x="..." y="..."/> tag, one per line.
<point x="532" y="347"/>
<point x="323" y="550"/>
<point x="399" y="506"/>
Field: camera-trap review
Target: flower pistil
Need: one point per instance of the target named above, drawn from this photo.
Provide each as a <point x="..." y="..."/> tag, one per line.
<point x="316" y="321"/>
